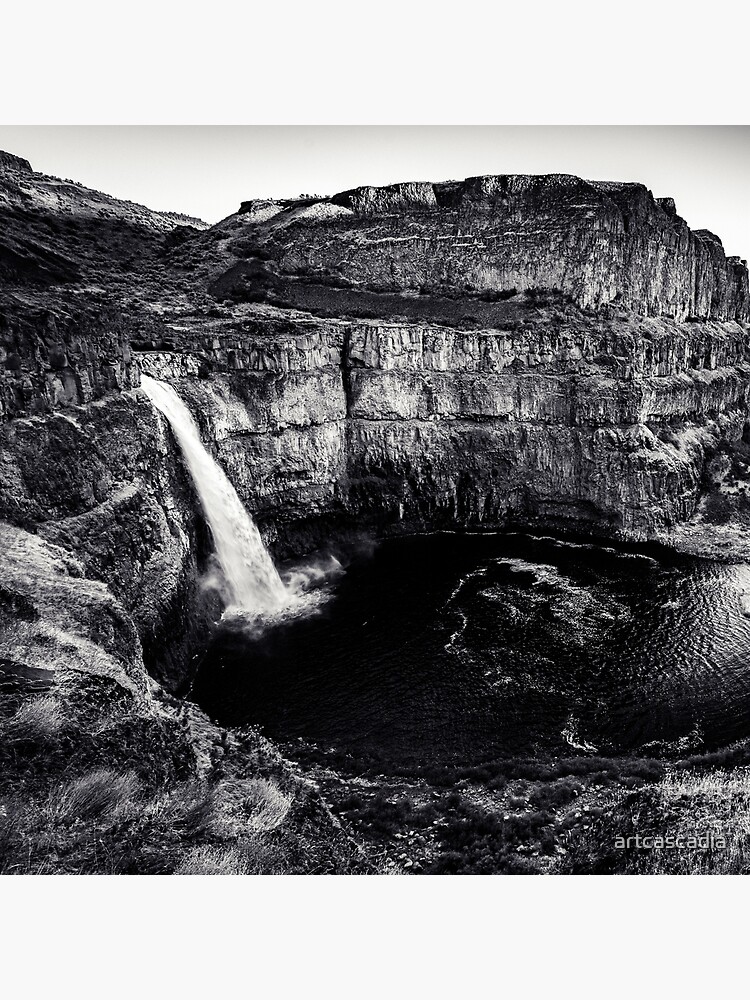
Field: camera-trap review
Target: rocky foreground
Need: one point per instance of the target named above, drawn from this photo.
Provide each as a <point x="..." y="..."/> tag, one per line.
<point x="537" y="352"/>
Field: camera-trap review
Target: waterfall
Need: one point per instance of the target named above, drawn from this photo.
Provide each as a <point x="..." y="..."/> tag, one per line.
<point x="252" y="581"/>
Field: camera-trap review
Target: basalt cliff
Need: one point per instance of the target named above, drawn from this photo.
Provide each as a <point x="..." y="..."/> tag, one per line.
<point x="543" y="353"/>
<point x="527" y="350"/>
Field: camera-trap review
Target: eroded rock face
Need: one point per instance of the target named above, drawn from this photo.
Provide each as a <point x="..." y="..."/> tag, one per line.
<point x="10" y="162"/>
<point x="53" y="359"/>
<point x="68" y="625"/>
<point x="104" y="483"/>
<point x="479" y="428"/>
<point x="598" y="242"/>
<point x="589" y="423"/>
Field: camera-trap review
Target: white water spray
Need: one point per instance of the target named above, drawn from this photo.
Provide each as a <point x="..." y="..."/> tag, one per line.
<point x="253" y="584"/>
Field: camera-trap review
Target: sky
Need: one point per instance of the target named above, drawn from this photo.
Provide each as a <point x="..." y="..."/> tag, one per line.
<point x="206" y="171"/>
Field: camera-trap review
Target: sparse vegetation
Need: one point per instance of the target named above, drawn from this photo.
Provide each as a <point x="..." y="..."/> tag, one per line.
<point x="535" y="817"/>
<point x="123" y="797"/>
<point x="37" y="723"/>
<point x="97" y="776"/>
<point x="711" y="807"/>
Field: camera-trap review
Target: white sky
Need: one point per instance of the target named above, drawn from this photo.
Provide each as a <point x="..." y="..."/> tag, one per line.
<point x="208" y="170"/>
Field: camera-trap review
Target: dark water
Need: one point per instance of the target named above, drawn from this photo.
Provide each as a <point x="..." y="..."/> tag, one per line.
<point x="462" y="649"/>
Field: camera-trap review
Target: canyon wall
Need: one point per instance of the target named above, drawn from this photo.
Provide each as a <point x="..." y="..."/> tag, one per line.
<point x="104" y="549"/>
<point x="533" y="353"/>
<point x="527" y="352"/>
<point x="598" y="242"/>
<point x="600" y="425"/>
<point x="53" y="359"/>
<point x="88" y="466"/>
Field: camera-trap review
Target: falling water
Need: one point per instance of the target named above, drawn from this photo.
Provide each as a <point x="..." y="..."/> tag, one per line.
<point x="252" y="581"/>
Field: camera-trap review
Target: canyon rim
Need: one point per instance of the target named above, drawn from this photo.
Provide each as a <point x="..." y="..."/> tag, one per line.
<point x="554" y="366"/>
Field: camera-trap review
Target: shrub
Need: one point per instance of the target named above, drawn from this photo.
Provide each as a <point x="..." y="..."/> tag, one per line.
<point x="498" y="295"/>
<point x="684" y="804"/>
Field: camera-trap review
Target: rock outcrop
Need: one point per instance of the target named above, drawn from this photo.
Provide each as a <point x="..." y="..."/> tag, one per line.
<point x="54" y="359"/>
<point x="598" y="242"/>
<point x="8" y="161"/>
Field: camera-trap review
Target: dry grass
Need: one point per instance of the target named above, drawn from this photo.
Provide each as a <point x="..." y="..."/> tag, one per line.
<point x="686" y="806"/>
<point x="248" y="805"/>
<point x="209" y="859"/>
<point x="96" y="794"/>
<point x="93" y="782"/>
<point x="266" y="805"/>
<point x="103" y="822"/>
<point x="106" y="822"/>
<point x="37" y="721"/>
<point x="715" y="803"/>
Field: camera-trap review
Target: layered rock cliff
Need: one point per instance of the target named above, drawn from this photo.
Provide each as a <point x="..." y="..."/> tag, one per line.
<point x="598" y="242"/>
<point x="533" y="350"/>
<point x="598" y="424"/>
